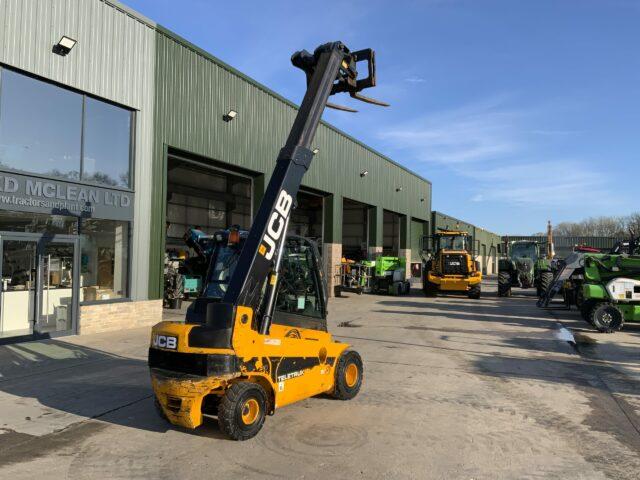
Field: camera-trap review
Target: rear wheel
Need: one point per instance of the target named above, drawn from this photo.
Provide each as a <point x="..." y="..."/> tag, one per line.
<point x="474" y="291"/>
<point x="607" y="318"/>
<point x="349" y="375"/>
<point x="504" y="284"/>
<point x="430" y="289"/>
<point x="546" y="279"/>
<point x="241" y="411"/>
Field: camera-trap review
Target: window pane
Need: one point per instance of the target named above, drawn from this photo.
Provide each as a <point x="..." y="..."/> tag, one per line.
<point x="104" y="259"/>
<point x="40" y="127"/>
<point x="298" y="290"/>
<point x="37" y="223"/>
<point x="107" y="137"/>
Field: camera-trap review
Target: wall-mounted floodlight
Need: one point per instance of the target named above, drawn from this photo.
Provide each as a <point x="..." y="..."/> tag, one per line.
<point x="230" y="115"/>
<point x="398" y="189"/>
<point x="316" y="151"/>
<point x="422" y="199"/>
<point x="64" y="46"/>
<point x="364" y="173"/>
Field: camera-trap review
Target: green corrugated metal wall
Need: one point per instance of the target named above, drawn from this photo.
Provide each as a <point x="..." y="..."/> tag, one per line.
<point x="194" y="90"/>
<point x="418" y="230"/>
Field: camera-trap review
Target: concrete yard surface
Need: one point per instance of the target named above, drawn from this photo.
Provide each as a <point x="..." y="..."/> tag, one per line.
<point x="454" y="389"/>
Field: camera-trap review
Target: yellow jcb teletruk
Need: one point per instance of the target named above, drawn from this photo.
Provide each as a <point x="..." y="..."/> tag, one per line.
<point x="448" y="264"/>
<point x="256" y="338"/>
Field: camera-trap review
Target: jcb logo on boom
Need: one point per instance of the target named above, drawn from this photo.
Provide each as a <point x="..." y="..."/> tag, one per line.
<point x="275" y="228"/>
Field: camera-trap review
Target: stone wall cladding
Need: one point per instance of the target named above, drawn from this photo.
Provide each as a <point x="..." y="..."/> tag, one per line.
<point x="118" y="316"/>
<point x="331" y="258"/>
<point x="406" y="253"/>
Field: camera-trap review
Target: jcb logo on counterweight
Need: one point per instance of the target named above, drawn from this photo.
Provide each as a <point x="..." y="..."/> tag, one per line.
<point x="165" y="341"/>
<point x="275" y="228"/>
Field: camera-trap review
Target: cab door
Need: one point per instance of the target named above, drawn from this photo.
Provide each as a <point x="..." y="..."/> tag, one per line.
<point x="299" y="323"/>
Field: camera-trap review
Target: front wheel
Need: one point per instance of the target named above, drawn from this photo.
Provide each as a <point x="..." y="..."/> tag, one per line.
<point x="546" y="279"/>
<point x="242" y="410"/>
<point x="607" y="318"/>
<point x="430" y="289"/>
<point x="474" y="291"/>
<point x="349" y="375"/>
<point x="504" y="284"/>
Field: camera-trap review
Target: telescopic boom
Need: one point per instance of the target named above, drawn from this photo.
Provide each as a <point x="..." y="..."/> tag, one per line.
<point x="330" y="69"/>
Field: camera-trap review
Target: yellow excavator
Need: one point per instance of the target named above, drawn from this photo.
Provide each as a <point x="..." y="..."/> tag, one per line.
<point x="256" y="338"/>
<point x="448" y="265"/>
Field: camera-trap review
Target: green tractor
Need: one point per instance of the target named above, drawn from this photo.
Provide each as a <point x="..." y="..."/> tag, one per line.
<point x="525" y="265"/>
<point x="607" y="290"/>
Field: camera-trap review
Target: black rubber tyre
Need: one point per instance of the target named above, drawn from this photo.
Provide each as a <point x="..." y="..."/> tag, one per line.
<point x="606" y="317"/>
<point x="430" y="289"/>
<point x="474" y="291"/>
<point x="504" y="284"/>
<point x="349" y="375"/>
<point x="242" y="410"/>
<point x="546" y="279"/>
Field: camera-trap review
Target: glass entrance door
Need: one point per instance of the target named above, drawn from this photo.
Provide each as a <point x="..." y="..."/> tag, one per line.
<point x="38" y="280"/>
<point x="18" y="293"/>
<point x="56" y="292"/>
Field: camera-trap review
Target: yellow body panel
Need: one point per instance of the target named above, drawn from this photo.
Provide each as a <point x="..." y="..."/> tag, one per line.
<point x="316" y="351"/>
<point x="454" y="283"/>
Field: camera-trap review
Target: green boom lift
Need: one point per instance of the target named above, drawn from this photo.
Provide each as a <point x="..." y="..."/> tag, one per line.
<point x="604" y="286"/>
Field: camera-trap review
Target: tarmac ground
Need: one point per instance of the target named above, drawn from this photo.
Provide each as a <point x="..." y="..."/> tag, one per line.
<point x="454" y="389"/>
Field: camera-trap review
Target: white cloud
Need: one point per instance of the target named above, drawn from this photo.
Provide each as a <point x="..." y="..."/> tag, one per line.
<point x="495" y="147"/>
<point x="473" y="133"/>
<point x="561" y="183"/>
<point x="414" y="79"/>
<point x="556" y="133"/>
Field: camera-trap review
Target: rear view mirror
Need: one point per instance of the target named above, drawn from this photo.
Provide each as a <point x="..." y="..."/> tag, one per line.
<point x="426" y="242"/>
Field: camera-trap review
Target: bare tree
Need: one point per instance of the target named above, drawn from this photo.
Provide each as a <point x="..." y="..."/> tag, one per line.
<point x="633" y="224"/>
<point x="617" y="227"/>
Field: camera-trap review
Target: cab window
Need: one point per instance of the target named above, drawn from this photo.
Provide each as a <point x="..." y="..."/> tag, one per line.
<point x="300" y="299"/>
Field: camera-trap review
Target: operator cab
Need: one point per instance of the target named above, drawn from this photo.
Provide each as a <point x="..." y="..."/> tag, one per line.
<point x="452" y="240"/>
<point x="524" y="250"/>
<point x="301" y="299"/>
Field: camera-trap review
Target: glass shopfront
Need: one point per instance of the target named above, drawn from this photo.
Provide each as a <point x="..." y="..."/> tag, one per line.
<point x="104" y="246"/>
<point x="66" y="205"/>
<point x="38" y="277"/>
<point x="47" y="270"/>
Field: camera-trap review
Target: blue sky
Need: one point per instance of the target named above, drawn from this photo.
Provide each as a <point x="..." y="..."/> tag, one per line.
<point x="517" y="111"/>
